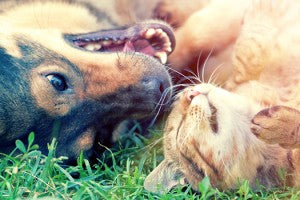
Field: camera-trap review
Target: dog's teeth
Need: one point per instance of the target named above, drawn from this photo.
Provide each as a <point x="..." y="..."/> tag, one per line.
<point x="149" y="33"/>
<point x="93" y="47"/>
<point x="167" y="44"/>
<point x="168" y="49"/>
<point x="119" y="42"/>
<point x="106" y="42"/>
<point x="159" y="31"/>
<point x="162" y="56"/>
<point x="164" y="35"/>
<point x="97" y="47"/>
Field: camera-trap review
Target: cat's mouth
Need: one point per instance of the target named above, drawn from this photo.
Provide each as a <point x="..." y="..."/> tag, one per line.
<point x="153" y="39"/>
<point x="213" y="118"/>
<point x="204" y="106"/>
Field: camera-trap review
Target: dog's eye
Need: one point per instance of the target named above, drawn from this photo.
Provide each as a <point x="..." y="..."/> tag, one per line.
<point x="58" y="82"/>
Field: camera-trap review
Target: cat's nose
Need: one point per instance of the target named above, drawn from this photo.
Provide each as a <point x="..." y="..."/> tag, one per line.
<point x="190" y="94"/>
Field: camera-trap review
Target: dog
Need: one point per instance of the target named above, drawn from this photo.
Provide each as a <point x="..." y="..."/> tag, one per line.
<point x="74" y="70"/>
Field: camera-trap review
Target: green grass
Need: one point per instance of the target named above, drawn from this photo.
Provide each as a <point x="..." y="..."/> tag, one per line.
<point x="119" y="174"/>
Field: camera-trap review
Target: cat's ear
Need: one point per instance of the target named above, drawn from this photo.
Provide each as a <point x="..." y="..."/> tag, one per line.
<point x="163" y="178"/>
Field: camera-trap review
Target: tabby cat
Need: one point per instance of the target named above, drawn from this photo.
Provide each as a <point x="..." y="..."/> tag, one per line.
<point x="251" y="129"/>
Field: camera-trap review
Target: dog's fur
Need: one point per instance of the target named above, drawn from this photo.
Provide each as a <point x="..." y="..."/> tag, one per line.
<point x="57" y="89"/>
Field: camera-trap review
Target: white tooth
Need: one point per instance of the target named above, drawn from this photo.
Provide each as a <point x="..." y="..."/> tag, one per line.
<point x="90" y="47"/>
<point x="162" y="56"/>
<point x="149" y="33"/>
<point x="97" y="47"/>
<point x="93" y="47"/>
<point x="160" y="31"/>
<point x="119" y="42"/>
<point x="167" y="44"/>
<point x="106" y="42"/>
<point x="164" y="35"/>
<point x="168" y="49"/>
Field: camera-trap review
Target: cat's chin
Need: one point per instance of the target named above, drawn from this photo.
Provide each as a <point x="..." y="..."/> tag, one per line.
<point x="209" y="126"/>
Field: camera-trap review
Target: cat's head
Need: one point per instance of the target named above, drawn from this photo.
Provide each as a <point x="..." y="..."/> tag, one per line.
<point x="207" y="134"/>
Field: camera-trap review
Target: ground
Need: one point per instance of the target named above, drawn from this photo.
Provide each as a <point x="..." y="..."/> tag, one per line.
<point x="119" y="174"/>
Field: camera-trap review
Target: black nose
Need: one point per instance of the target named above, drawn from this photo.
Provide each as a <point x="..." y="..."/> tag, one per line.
<point x="155" y="85"/>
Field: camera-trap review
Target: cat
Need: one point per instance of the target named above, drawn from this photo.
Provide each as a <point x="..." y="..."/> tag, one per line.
<point x="205" y="32"/>
<point x="250" y="129"/>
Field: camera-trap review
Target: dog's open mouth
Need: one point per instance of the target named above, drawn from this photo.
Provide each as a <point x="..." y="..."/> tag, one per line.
<point x="152" y="39"/>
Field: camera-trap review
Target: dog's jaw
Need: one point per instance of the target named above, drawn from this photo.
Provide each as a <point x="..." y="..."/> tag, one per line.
<point x="153" y="39"/>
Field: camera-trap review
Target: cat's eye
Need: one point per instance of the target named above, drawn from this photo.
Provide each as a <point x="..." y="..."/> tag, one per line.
<point x="58" y="82"/>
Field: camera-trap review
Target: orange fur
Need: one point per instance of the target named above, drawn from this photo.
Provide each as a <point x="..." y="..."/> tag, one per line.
<point x="265" y="73"/>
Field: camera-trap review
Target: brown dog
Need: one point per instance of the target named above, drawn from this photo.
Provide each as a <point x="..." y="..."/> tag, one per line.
<point x="73" y="71"/>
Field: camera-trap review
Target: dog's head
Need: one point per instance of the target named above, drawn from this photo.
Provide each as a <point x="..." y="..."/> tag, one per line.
<point x="63" y="76"/>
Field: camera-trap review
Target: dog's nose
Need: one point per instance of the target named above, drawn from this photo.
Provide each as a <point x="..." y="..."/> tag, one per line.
<point x="155" y="85"/>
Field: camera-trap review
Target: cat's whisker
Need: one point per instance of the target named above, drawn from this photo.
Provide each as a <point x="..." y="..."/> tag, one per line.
<point x="213" y="73"/>
<point x="205" y="64"/>
<point x="191" y="78"/>
<point x="162" y="102"/>
<point x="214" y="81"/>
<point x="221" y="84"/>
<point x="195" y="77"/>
<point x="159" y="105"/>
<point x="198" y="65"/>
<point x="191" y="72"/>
<point x="179" y="73"/>
<point x="167" y="90"/>
<point x="162" y="98"/>
<point x="154" y="143"/>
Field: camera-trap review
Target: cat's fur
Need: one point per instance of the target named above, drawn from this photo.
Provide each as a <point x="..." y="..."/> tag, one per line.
<point x="205" y="32"/>
<point x="210" y="130"/>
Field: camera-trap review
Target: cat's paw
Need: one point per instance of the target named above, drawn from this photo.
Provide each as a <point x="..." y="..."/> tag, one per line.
<point x="176" y="12"/>
<point x="278" y="124"/>
<point x="164" y="11"/>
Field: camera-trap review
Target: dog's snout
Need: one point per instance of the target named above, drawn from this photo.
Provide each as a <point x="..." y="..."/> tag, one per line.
<point x="155" y="85"/>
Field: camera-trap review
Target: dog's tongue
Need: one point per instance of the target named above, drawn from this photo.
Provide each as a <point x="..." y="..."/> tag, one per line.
<point x="128" y="46"/>
<point x="142" y="46"/>
<point x="152" y="39"/>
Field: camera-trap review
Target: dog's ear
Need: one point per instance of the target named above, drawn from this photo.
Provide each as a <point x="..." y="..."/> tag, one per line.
<point x="163" y="178"/>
